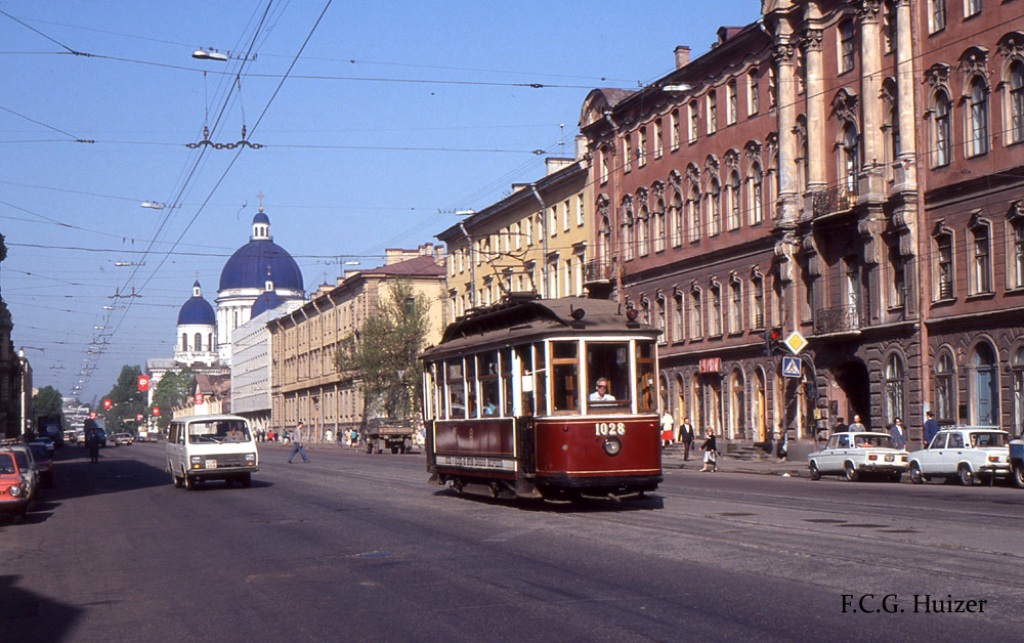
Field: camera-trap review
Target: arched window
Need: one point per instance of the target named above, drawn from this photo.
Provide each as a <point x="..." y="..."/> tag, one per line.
<point x="693" y="205"/>
<point x="715" y="310"/>
<point x="977" y="118"/>
<point x="981" y="259"/>
<point x="737" y="406"/>
<point x="895" y="376"/>
<point x="733" y="200"/>
<point x="198" y="343"/>
<point x="847" y="46"/>
<point x="184" y="342"/>
<point x="714" y="204"/>
<point x="696" y="314"/>
<point x="943" y="132"/>
<point x="945" y="388"/>
<point x="660" y="226"/>
<point x="1016" y="102"/>
<point x="850" y="158"/>
<point x="755" y="194"/>
<point x="986" y="386"/>
<point x="643" y="224"/>
<point x="676" y="218"/>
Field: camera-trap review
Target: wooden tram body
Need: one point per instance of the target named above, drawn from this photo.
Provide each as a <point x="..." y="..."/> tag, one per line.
<point x="508" y="405"/>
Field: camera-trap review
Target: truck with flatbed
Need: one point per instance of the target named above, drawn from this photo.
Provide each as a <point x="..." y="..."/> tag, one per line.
<point x="393" y="435"/>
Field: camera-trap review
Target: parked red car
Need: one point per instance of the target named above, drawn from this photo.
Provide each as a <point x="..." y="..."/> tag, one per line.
<point x="13" y="495"/>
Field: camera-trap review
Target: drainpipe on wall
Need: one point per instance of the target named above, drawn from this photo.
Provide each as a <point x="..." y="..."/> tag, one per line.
<point x="544" y="241"/>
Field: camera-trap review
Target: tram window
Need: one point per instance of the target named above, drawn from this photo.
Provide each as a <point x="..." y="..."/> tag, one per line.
<point x="609" y="360"/>
<point x="646" y="379"/>
<point x="540" y="390"/>
<point x="471" y="397"/>
<point x="506" y="380"/>
<point x="565" y="369"/>
<point x="456" y="390"/>
<point x="489" y="384"/>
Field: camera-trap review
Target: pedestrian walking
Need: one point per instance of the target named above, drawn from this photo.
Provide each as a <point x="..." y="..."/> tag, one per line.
<point x="710" y="449"/>
<point x="297" y="442"/>
<point x="898" y="435"/>
<point x="931" y="428"/>
<point x="92" y="443"/>
<point x="667" y="429"/>
<point x="856" y="425"/>
<point x="687" y="436"/>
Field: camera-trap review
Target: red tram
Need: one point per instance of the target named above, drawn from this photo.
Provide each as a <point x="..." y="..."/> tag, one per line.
<point x="511" y="401"/>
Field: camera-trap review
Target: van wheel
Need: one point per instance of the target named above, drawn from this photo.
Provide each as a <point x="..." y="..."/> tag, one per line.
<point x="190" y="483"/>
<point x="176" y="480"/>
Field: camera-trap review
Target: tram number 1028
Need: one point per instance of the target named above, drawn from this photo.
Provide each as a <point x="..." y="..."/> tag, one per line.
<point x="609" y="428"/>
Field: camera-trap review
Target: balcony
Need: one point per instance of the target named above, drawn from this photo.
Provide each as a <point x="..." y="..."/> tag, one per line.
<point x="598" y="271"/>
<point x="841" y="319"/>
<point x="838" y="198"/>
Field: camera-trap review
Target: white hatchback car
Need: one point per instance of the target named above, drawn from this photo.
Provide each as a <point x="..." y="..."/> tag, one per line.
<point x="856" y="454"/>
<point x="965" y="453"/>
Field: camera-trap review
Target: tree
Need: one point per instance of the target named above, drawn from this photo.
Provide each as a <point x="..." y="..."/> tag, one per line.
<point x="382" y="355"/>
<point x="173" y="390"/>
<point x="48" y="401"/>
<point x="127" y="401"/>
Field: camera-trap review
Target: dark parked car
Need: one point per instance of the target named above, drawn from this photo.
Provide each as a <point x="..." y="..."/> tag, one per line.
<point x="43" y="463"/>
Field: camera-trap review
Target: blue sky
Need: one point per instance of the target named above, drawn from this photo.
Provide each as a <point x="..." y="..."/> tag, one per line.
<point x="378" y="120"/>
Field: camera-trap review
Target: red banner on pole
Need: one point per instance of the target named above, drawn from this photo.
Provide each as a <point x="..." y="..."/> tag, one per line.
<point x="143" y="382"/>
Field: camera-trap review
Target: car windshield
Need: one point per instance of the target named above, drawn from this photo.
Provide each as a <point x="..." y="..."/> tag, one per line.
<point x="39" y="452"/>
<point x="876" y="441"/>
<point x="7" y="463"/>
<point x="989" y="439"/>
<point x="218" y="432"/>
<point x="21" y="457"/>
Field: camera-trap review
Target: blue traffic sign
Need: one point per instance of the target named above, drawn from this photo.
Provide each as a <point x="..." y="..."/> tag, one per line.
<point x="791" y="367"/>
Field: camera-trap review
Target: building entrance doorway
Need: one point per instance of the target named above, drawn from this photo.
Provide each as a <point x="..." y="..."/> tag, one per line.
<point x="852" y="378"/>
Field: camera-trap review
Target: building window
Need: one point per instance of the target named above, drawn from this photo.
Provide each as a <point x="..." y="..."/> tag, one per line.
<point x="696" y="314"/>
<point x="755" y="194"/>
<point x="677" y="219"/>
<point x="753" y="100"/>
<point x="674" y="125"/>
<point x="605" y="165"/>
<point x="628" y="234"/>
<point x="1017" y="369"/>
<point x="733" y="107"/>
<point x="895" y="378"/>
<point x="847" y="46"/>
<point x="694" y="121"/>
<point x="936" y="15"/>
<point x="944" y="267"/>
<point x="898" y="283"/>
<point x="981" y="260"/>
<point x="714" y="205"/>
<point x="715" y="312"/>
<point x="757" y="302"/>
<point x="735" y="306"/>
<point x="1018" y="253"/>
<point x="733" y="201"/>
<point x="659" y="146"/>
<point x="712" y="100"/>
<point x="643" y="224"/>
<point x="1016" y="125"/>
<point x="945" y="388"/>
<point x="627" y="153"/>
<point x="978" y="118"/>
<point x="889" y="26"/>
<point x="660" y="226"/>
<point x="641" y="147"/>
<point x="693" y="205"/>
<point x="943" y="132"/>
<point x="850" y="159"/>
<point x="678" y="319"/>
<point x="660" y="320"/>
<point x="985" y="385"/>
<point x="972" y="8"/>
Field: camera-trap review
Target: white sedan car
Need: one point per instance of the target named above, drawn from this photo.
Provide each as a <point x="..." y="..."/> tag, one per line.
<point x="965" y="453"/>
<point x="854" y="455"/>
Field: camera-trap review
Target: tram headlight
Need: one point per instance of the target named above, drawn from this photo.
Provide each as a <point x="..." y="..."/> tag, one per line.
<point x="612" y="446"/>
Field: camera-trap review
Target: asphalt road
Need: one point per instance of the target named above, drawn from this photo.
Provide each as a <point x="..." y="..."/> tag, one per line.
<point x="358" y="547"/>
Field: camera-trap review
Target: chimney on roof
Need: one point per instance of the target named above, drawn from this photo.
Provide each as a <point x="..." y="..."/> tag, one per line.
<point x="682" y="56"/>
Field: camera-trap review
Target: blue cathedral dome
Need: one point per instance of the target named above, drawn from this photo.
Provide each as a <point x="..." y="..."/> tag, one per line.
<point x="197" y="310"/>
<point x="251" y="264"/>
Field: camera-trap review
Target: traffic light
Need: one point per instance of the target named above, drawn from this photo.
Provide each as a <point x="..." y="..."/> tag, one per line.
<point x="772" y="341"/>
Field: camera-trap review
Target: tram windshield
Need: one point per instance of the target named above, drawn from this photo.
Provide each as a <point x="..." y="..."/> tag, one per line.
<point x="569" y="376"/>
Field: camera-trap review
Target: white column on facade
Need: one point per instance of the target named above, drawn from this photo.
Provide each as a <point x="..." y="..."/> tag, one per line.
<point x="905" y="86"/>
<point x="786" y="110"/>
<point x="871" y="104"/>
<point x="816" y="152"/>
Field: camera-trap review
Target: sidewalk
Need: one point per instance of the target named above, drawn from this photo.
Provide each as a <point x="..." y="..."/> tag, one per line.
<point x="738" y="462"/>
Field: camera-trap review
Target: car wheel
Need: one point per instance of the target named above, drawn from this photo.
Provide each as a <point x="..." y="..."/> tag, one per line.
<point x="1018" y="475"/>
<point x="815" y="474"/>
<point x="915" y="474"/>
<point x="190" y="483"/>
<point x="851" y="472"/>
<point x="965" y="475"/>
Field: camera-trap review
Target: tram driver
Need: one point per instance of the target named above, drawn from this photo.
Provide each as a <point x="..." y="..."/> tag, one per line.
<point x="601" y="393"/>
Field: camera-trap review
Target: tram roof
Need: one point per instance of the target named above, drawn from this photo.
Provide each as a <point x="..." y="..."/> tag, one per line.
<point x="518" y="320"/>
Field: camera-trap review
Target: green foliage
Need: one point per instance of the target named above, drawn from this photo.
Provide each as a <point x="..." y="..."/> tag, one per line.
<point x="382" y="355"/>
<point x="127" y="400"/>
<point x="3" y="248"/>
<point x="48" y="401"/>
<point x="173" y="390"/>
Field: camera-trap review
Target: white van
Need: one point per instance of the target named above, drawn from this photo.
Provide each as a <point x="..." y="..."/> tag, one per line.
<point x="211" y="447"/>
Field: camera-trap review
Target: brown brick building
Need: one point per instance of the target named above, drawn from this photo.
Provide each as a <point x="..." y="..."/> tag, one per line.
<point x="847" y="170"/>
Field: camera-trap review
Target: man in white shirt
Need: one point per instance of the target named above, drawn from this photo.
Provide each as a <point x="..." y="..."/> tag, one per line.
<point x="601" y="393"/>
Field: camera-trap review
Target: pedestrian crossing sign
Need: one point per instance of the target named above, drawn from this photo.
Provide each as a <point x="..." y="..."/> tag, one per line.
<point x="791" y="367"/>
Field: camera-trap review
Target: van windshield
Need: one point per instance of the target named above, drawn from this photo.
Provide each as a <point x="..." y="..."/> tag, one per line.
<point x="219" y="431"/>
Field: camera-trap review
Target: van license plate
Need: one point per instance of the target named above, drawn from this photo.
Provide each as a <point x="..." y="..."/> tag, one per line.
<point x="890" y="458"/>
<point x="211" y="464"/>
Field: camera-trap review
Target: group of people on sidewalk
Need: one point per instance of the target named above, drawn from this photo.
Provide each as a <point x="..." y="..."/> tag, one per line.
<point x="687" y="435"/>
<point x="896" y="431"/>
